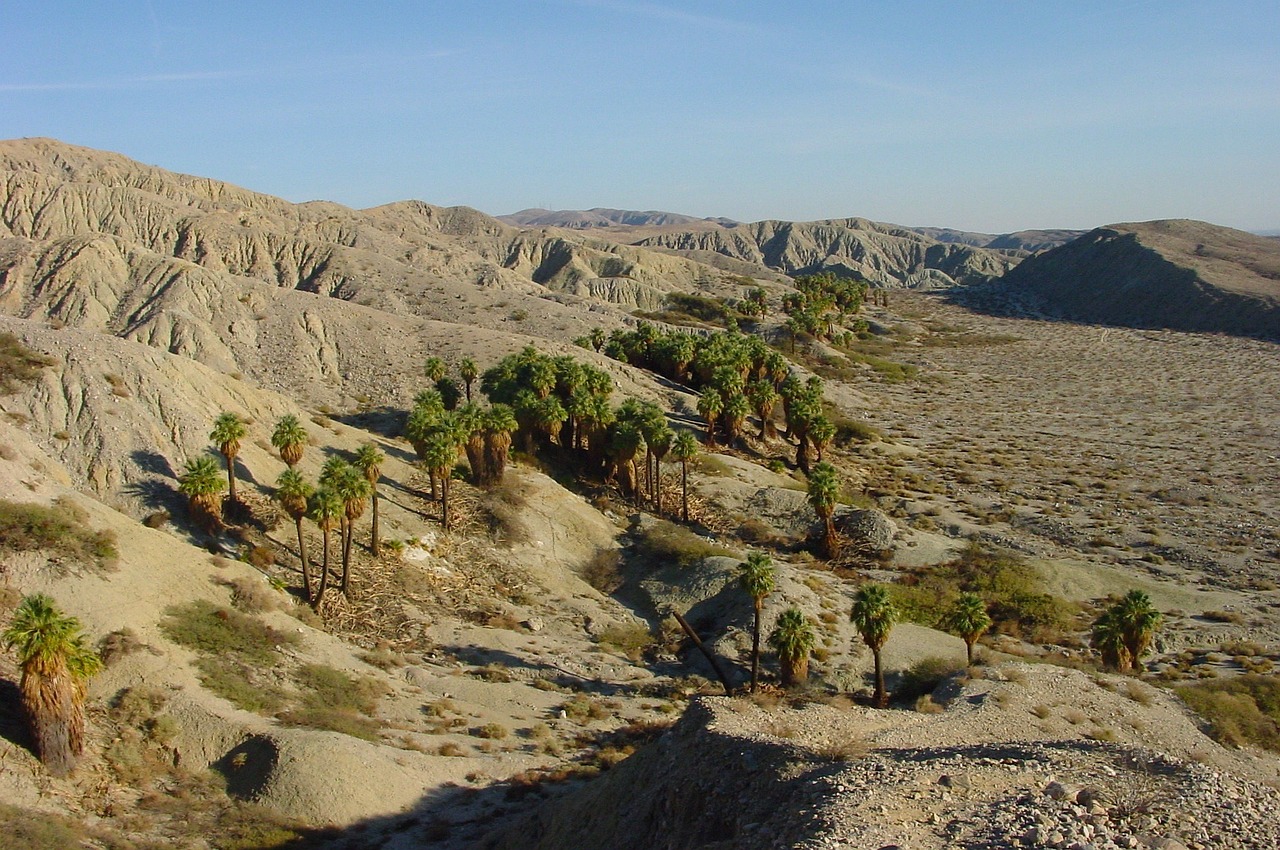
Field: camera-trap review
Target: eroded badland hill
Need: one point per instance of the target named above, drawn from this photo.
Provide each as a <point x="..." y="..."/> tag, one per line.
<point x="518" y="678"/>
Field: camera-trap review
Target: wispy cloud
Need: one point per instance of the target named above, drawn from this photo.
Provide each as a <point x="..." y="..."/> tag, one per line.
<point x="124" y="82"/>
<point x="666" y="13"/>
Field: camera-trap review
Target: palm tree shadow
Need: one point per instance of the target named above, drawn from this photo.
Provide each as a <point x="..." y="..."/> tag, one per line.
<point x="13" y="718"/>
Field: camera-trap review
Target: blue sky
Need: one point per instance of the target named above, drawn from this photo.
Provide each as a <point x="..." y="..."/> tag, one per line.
<point x="981" y="115"/>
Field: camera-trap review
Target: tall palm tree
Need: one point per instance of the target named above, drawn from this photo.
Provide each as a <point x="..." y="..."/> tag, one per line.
<point x="1108" y="638"/>
<point x="228" y="431"/>
<point x="710" y="404"/>
<point x="684" y="449"/>
<point x="793" y="638"/>
<point x="326" y="511"/>
<point x="757" y="579"/>
<point x="736" y="411"/>
<point x="824" y="488"/>
<point x="968" y="618"/>
<point x="764" y="398"/>
<point x="499" y="423"/>
<point x="290" y="439"/>
<point x="442" y="453"/>
<point x="873" y="615"/>
<point x="1138" y="622"/>
<point x="468" y="370"/>
<point x="292" y="492"/>
<point x="201" y="482"/>
<point x="369" y="460"/>
<point x="55" y="666"/>
<point x="353" y="488"/>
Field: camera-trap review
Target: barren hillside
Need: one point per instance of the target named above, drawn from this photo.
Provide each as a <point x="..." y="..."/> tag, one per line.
<point x="1180" y="274"/>
<point x="504" y="667"/>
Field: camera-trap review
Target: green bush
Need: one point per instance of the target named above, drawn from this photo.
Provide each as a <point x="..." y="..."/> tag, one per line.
<point x="1243" y="710"/>
<point x="235" y="682"/>
<point x="924" y="676"/>
<point x="215" y="631"/>
<point x="1013" y="590"/>
<point x="325" y="687"/>
<point x="59" y="530"/>
<point x="666" y="541"/>
<point x="333" y="720"/>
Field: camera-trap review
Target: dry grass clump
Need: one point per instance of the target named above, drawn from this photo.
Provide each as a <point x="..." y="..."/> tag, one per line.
<point x="602" y="572"/>
<point x="1242" y="710"/>
<point x="19" y="364"/>
<point x="118" y="644"/>
<point x="58" y="530"/>
<point x="252" y="595"/>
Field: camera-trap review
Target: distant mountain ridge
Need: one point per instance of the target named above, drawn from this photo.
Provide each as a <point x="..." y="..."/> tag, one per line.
<point x="604" y="217"/>
<point x="1178" y="274"/>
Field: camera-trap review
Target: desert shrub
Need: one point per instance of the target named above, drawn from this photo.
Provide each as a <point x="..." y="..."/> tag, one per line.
<point x="18" y="364"/>
<point x="924" y="676"/>
<point x="238" y="684"/>
<point x="1243" y="710"/>
<point x="384" y="658"/>
<point x="214" y="631"/>
<point x="59" y="530"/>
<point x="602" y="573"/>
<point x="1013" y="590"/>
<point x="325" y="687"/>
<point x="332" y="720"/>
<point x="668" y="542"/>
<point x="582" y="709"/>
<point x="492" y="731"/>
<point x="260" y="556"/>
<point x="251" y="595"/>
<point x="156" y="519"/>
<point x="631" y="639"/>
<point x="38" y="830"/>
<point x="118" y="644"/>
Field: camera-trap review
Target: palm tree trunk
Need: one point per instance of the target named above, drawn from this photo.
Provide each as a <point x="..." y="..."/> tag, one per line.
<point x="968" y="647"/>
<point x="375" y="540"/>
<point x="49" y="698"/>
<point x="684" y="490"/>
<point x="830" y="537"/>
<point x="444" y="503"/>
<point x="348" y="532"/>
<point x="882" y="696"/>
<point x="324" y="573"/>
<point x="306" y="562"/>
<point x="657" y="485"/>
<point x="755" y="646"/>
<point x="231" y="476"/>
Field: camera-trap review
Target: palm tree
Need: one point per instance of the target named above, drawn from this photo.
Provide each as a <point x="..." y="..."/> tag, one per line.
<point x="969" y="619"/>
<point x="55" y="666"/>
<point x="201" y="483"/>
<point x="499" y="423"/>
<point x="597" y="339"/>
<point x="793" y="638"/>
<point x="289" y="438"/>
<point x="873" y="615"/>
<point x="369" y="461"/>
<point x="292" y="492"/>
<point x="1138" y="623"/>
<point x="228" y="430"/>
<point x="756" y="576"/>
<point x="442" y="453"/>
<point x="352" y="487"/>
<point x="684" y="449"/>
<point x="1108" y="638"/>
<point x="710" y="404"/>
<point x="824" y="487"/>
<point x="434" y="368"/>
<point x="326" y="509"/>
<point x="468" y="370"/>
<point x="821" y="432"/>
<point x="764" y="398"/>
